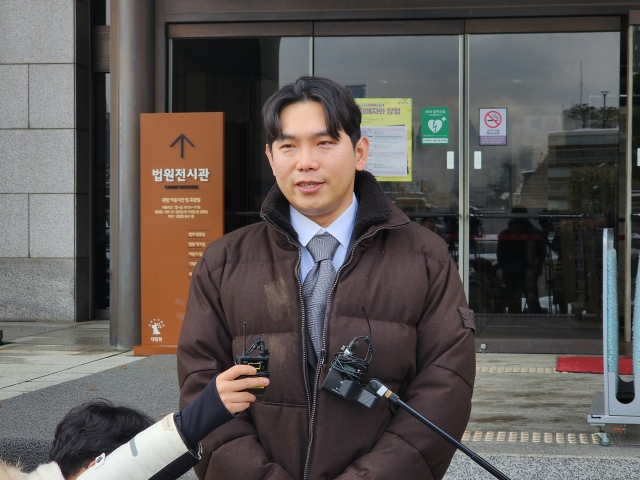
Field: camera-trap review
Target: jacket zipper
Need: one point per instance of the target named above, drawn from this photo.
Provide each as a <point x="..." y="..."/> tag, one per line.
<point x="323" y="351"/>
<point x="304" y="320"/>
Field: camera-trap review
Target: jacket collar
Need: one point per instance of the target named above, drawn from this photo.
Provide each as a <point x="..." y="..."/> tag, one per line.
<point x="374" y="208"/>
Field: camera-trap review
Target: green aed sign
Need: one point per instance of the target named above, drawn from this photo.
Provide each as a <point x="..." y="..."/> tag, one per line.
<point x="435" y="125"/>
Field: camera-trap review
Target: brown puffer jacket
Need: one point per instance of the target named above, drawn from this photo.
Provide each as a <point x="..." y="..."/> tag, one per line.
<point x="421" y="328"/>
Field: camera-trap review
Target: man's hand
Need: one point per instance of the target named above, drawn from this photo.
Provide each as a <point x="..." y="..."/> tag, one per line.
<point x="230" y="389"/>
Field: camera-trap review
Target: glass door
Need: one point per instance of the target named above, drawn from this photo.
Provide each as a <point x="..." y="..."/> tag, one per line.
<point x="545" y="158"/>
<point x="505" y="145"/>
<point x="236" y="76"/>
<point x="421" y="72"/>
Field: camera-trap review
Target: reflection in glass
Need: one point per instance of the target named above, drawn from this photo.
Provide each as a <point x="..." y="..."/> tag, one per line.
<point x="540" y="203"/>
<point x="424" y="69"/>
<point x="101" y="191"/>
<point x="236" y="76"/>
<point x="537" y="205"/>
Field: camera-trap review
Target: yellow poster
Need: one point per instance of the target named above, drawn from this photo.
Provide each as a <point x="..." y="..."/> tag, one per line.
<point x="386" y="122"/>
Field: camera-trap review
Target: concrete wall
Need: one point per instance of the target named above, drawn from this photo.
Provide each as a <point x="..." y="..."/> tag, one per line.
<point x="44" y="160"/>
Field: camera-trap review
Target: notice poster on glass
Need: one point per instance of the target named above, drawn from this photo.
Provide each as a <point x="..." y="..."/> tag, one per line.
<point x="435" y="125"/>
<point x="493" y="126"/>
<point x="386" y="122"/>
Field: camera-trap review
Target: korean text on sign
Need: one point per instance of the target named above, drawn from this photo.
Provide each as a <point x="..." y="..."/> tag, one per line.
<point x="180" y="174"/>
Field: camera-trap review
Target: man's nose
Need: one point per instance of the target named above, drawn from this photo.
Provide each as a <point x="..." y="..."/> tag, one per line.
<point x="307" y="160"/>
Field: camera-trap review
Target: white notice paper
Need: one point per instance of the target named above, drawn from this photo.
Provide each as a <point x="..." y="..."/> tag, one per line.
<point x="387" y="151"/>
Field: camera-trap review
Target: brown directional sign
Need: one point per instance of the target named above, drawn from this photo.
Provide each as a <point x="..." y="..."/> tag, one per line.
<point x="181" y="211"/>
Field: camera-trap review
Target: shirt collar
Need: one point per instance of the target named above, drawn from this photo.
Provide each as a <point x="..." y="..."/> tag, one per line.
<point x="341" y="228"/>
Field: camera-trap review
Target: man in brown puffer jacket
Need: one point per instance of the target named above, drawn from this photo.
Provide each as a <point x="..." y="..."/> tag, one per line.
<point x="399" y="271"/>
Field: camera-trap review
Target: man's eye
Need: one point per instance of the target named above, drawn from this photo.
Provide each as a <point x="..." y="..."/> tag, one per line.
<point x="286" y="147"/>
<point x="325" y="142"/>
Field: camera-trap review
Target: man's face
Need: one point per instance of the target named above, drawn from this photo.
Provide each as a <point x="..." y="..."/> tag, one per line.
<point x="314" y="171"/>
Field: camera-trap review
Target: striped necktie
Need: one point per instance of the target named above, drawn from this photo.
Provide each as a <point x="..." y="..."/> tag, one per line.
<point x="317" y="284"/>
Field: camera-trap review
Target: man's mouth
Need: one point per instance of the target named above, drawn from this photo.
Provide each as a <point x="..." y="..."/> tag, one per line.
<point x="308" y="184"/>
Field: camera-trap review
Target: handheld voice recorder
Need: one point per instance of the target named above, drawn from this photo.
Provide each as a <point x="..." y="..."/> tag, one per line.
<point x="260" y="362"/>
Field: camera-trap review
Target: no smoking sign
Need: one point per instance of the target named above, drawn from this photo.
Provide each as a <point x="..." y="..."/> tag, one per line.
<point x="493" y="126"/>
<point x="492" y="119"/>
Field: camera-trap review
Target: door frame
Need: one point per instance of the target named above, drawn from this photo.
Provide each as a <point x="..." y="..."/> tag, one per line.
<point x="553" y="25"/>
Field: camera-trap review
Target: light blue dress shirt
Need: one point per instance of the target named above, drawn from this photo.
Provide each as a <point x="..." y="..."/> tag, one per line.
<point x="341" y="229"/>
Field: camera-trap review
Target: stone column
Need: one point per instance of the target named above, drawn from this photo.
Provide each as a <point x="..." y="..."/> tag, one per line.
<point x="132" y="93"/>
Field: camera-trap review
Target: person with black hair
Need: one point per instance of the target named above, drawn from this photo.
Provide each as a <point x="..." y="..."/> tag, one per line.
<point x="99" y="441"/>
<point x="90" y="430"/>
<point x="83" y="434"/>
<point x="330" y="242"/>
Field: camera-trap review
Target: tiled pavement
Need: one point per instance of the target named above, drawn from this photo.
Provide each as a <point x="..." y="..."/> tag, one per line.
<point x="527" y="419"/>
<point x="531" y="423"/>
<point x="37" y="355"/>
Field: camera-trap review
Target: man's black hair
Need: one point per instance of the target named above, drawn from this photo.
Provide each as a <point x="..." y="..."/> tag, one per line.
<point x="340" y="109"/>
<point x="92" y="429"/>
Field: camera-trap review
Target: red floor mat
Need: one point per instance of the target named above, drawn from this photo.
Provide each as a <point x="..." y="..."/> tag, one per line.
<point x="590" y="365"/>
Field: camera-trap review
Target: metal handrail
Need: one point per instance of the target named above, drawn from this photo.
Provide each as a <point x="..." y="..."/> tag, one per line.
<point x="535" y="215"/>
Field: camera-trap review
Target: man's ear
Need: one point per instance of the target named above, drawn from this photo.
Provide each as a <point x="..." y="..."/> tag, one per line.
<point x="362" y="153"/>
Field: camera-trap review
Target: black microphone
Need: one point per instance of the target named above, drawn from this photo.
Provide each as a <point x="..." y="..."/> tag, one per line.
<point x="346" y="371"/>
<point x="381" y="390"/>
<point x="352" y="346"/>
